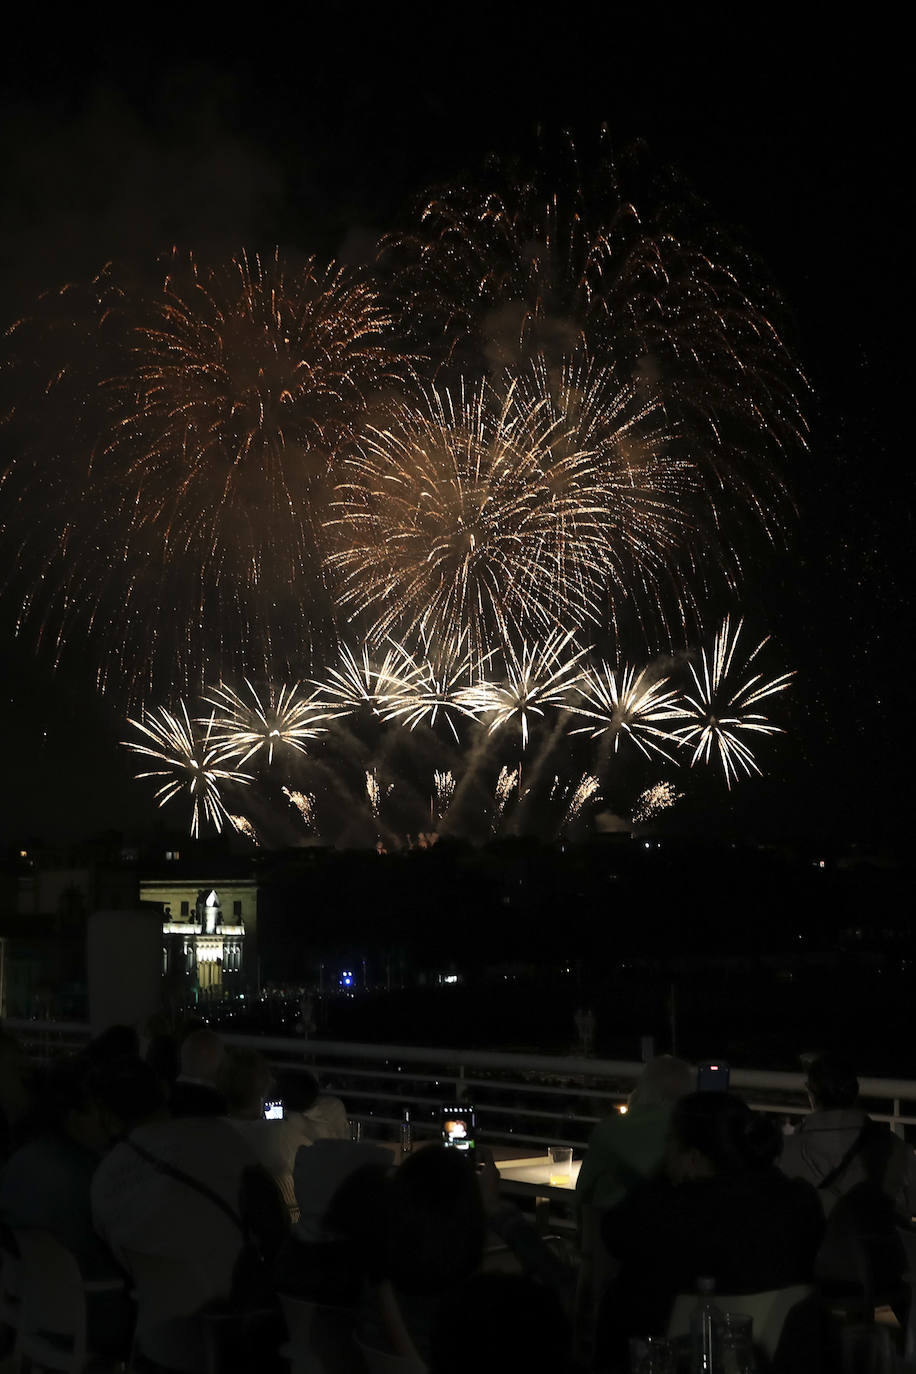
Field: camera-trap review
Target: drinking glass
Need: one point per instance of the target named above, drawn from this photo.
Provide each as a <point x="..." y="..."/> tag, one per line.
<point x="355" y="1129"/>
<point x="559" y="1158"/>
<point x="651" y="1355"/>
<point x="736" y="1344"/>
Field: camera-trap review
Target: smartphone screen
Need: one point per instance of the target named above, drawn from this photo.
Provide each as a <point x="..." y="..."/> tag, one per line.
<point x="712" y="1077"/>
<point x="459" y="1129"/>
<point x="273" y="1111"/>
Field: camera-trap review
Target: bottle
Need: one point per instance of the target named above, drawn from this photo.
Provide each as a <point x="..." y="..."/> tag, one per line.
<point x="704" y="1330"/>
<point x="406" y="1133"/>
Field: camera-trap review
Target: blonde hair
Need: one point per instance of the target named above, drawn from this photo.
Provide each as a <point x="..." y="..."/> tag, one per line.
<point x="663" y="1081"/>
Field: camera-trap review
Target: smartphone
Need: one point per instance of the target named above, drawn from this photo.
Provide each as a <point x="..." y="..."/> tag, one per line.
<point x="712" y="1077"/>
<point x="459" y="1129"/>
<point x="273" y="1111"/>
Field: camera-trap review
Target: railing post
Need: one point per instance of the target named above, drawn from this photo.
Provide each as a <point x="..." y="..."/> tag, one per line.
<point x="896" y="1124"/>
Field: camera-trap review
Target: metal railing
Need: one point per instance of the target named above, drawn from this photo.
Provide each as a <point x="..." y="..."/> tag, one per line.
<point x="520" y="1098"/>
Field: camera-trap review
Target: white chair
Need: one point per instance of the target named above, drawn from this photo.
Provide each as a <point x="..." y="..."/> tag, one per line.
<point x="169" y="1329"/>
<point x="53" y="1332"/>
<point x="769" y="1311"/>
<point x="321" y="1338"/>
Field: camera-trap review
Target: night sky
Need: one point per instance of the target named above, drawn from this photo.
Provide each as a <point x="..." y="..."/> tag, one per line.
<point x="315" y="135"/>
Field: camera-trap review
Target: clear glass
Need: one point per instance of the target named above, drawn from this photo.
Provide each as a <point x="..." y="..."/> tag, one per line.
<point x="559" y="1158"/>
<point x="355" y="1129"/>
<point x="735" y="1338"/>
<point x="652" y="1355"/>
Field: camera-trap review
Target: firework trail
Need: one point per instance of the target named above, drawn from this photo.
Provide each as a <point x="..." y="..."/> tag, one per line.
<point x="630" y="704"/>
<point x="719" y="705"/>
<point x="655" y="799"/>
<point x="192" y="761"/>
<point x="245" y="727"/>
<point x="179" y="523"/>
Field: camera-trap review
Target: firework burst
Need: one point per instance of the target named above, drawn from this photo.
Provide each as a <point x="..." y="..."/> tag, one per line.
<point x="719" y="706"/>
<point x="192" y="760"/>
<point x="655" y="799"/>
<point x="436" y="683"/>
<point x="539" y="677"/>
<point x="243" y="727"/>
<point x="179" y="522"/>
<point x="356" y="684"/>
<point x="629" y="704"/>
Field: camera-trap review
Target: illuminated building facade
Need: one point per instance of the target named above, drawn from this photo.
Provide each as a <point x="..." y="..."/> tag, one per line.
<point x="209" y="932"/>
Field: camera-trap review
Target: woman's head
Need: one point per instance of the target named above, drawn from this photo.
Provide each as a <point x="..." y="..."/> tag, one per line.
<point x="435" y="1227"/>
<point x="717" y="1135"/>
<point x="663" y="1081"/>
<point x="245" y="1080"/>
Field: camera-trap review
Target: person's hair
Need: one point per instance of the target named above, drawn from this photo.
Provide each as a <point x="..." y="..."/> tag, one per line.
<point x="832" y="1082"/>
<point x="128" y="1088"/>
<point x="202" y="1054"/>
<point x="117" y="1042"/>
<point x="162" y="1057"/>
<point x="434" y="1222"/>
<point x="663" y="1081"/>
<point x="298" y="1088"/>
<point x="245" y="1080"/>
<point x="514" y="1321"/>
<point x="724" y="1130"/>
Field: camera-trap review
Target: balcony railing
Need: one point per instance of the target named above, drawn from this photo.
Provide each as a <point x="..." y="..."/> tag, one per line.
<point x="520" y="1098"/>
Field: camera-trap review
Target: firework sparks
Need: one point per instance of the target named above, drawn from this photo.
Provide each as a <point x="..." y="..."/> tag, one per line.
<point x="627" y="704"/>
<point x="242" y="825"/>
<point x="304" y="802"/>
<point x="444" y="786"/>
<point x="244" y="727"/>
<point x="506" y="784"/>
<point x="720" y="708"/>
<point x="655" y="799"/>
<point x="192" y="761"/>
<point x="574" y="798"/>
<point x="538" y="677"/>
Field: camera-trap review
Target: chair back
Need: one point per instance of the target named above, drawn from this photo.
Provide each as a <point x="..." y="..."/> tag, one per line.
<point x="321" y="1337"/>
<point x="169" y="1329"/>
<point x="53" y="1321"/>
<point x="769" y="1311"/>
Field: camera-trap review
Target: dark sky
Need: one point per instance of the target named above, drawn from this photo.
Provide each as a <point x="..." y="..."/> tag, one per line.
<point x="315" y="134"/>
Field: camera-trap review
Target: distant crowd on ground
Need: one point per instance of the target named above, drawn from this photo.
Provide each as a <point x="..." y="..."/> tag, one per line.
<point x="201" y="1226"/>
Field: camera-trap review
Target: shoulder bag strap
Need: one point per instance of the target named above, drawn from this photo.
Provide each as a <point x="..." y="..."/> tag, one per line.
<point x="829" y="1179"/>
<point x="181" y="1177"/>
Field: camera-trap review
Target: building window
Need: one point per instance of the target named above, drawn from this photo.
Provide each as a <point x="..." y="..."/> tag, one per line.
<point x="236" y="908"/>
<point x="184" y="908"/>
